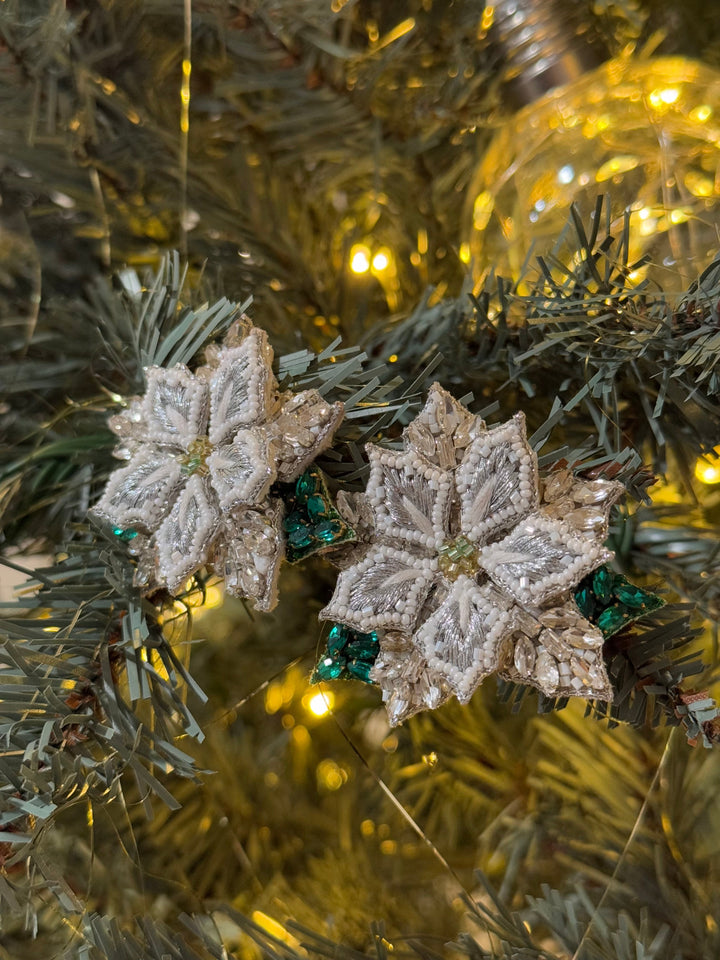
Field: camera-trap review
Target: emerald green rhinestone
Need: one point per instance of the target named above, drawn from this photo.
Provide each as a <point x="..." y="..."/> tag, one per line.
<point x="316" y="506"/>
<point x="305" y="486"/>
<point x="584" y="600"/>
<point x="337" y="638"/>
<point x="300" y="537"/>
<point x="633" y="597"/>
<point x="125" y="535"/>
<point x="362" y="649"/>
<point x="611" y="619"/>
<point x="603" y="584"/>
<point x="360" y="671"/>
<point x="293" y="521"/>
<point x="328" y="530"/>
<point x="327" y="669"/>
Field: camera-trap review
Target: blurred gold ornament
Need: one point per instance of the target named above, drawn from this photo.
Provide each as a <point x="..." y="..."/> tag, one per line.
<point x="707" y="467"/>
<point x="645" y="131"/>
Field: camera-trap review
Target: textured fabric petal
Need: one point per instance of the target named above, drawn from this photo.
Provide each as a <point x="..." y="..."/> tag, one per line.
<point x="443" y="429"/>
<point x="410" y="499"/>
<point x="250" y="550"/>
<point x="560" y="653"/>
<point x="242" y="471"/>
<point x="303" y="428"/>
<point x="175" y="406"/>
<point x="541" y="558"/>
<point x="407" y="683"/>
<point x="497" y="481"/>
<point x="184" y="538"/>
<point x="242" y="388"/>
<point x="385" y="589"/>
<point x="461" y="640"/>
<point x="141" y="494"/>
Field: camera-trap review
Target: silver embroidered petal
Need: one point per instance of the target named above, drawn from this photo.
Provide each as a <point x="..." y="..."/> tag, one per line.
<point x="461" y="641"/>
<point x="242" y="471"/>
<point x="140" y="494"/>
<point x="185" y="535"/>
<point x="497" y="481"/>
<point x="243" y="390"/>
<point x="541" y="558"/>
<point x="175" y="406"/>
<point x="410" y="499"/>
<point x="385" y="589"/>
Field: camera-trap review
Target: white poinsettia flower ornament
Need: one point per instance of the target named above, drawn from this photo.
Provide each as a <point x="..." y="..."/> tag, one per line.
<point x="472" y="562"/>
<point x="204" y="449"/>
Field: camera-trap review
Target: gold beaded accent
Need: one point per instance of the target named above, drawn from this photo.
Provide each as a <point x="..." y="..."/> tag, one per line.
<point x="195" y="460"/>
<point x="458" y="558"/>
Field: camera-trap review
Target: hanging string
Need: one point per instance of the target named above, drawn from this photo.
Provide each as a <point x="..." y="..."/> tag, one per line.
<point x="628" y="843"/>
<point x="185" y="123"/>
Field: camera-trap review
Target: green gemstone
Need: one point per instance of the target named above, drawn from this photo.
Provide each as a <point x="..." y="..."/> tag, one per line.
<point x="611" y="619"/>
<point x="584" y="600"/>
<point x="125" y="535"/>
<point x="316" y="506"/>
<point x="327" y="669"/>
<point x="328" y="530"/>
<point x="603" y="584"/>
<point x="633" y="597"/>
<point x="305" y="486"/>
<point x="337" y="638"/>
<point x="360" y="671"/>
<point x="300" y="537"/>
<point x="293" y="521"/>
<point x="362" y="649"/>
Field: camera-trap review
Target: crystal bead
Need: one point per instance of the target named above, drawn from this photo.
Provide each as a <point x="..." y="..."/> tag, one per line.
<point x="125" y="535"/>
<point x="524" y="657"/>
<point x="546" y="671"/>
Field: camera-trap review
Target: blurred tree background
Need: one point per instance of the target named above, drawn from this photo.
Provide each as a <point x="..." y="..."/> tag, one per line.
<point x="273" y="143"/>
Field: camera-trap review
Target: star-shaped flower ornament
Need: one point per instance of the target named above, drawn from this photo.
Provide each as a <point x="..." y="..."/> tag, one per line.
<point x="203" y="451"/>
<point x="472" y="563"/>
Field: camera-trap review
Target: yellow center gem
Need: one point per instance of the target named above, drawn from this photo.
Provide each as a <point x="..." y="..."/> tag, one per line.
<point x="195" y="460"/>
<point x="457" y="558"/>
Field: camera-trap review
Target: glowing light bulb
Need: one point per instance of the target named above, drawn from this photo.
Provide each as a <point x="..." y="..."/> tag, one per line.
<point x="359" y="259"/>
<point x="707" y="468"/>
<point x="320" y="704"/>
<point x="647" y="132"/>
<point x="380" y="261"/>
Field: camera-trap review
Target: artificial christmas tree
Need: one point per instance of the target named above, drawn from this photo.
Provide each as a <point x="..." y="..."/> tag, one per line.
<point x="187" y="774"/>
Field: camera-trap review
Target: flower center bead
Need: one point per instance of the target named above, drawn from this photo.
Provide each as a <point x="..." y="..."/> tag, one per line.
<point x="195" y="460"/>
<point x="457" y="558"/>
